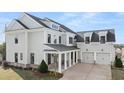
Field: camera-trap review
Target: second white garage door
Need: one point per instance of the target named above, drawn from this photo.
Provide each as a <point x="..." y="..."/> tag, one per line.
<point x="102" y="58"/>
<point x="88" y="57"/>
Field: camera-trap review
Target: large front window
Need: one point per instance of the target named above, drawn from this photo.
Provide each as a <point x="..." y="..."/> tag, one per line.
<point x="70" y="40"/>
<point x="102" y="39"/>
<point x="49" y="38"/>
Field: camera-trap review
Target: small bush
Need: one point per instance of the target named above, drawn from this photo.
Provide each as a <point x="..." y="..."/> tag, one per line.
<point x="43" y="68"/>
<point x="5" y="64"/>
<point x="118" y="63"/>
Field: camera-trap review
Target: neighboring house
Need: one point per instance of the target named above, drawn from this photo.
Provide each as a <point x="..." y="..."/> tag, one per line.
<point x="30" y="39"/>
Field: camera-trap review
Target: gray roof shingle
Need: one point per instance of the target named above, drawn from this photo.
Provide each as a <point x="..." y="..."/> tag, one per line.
<point x="61" y="47"/>
<point x="110" y="36"/>
<point x="22" y="24"/>
<point x="94" y="37"/>
<point x="39" y="20"/>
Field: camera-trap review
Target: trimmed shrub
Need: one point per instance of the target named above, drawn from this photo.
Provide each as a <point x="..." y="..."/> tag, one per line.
<point x="118" y="63"/>
<point x="5" y="64"/>
<point x="43" y="68"/>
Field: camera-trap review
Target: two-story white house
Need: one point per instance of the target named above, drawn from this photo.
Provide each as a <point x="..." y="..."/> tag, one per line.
<point x="30" y="39"/>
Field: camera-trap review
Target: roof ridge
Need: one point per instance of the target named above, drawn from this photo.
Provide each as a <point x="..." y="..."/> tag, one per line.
<point x="98" y="30"/>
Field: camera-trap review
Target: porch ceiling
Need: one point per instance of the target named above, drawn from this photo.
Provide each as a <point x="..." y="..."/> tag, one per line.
<point x="60" y="47"/>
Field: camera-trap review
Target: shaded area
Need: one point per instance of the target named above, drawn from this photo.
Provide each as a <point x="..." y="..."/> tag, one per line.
<point x="117" y="73"/>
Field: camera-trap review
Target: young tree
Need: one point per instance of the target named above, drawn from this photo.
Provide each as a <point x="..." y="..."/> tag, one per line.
<point x="43" y="68"/>
<point x="118" y="62"/>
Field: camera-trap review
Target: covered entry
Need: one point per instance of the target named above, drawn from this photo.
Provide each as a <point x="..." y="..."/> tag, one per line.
<point x="60" y="57"/>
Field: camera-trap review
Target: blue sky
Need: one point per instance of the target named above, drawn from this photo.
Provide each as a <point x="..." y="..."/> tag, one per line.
<point x="77" y="21"/>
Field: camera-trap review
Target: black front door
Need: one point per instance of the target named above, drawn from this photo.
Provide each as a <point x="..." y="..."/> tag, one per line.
<point x="49" y="59"/>
<point x="32" y="58"/>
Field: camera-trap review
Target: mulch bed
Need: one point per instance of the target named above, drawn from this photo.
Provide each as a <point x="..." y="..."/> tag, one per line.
<point x="48" y="74"/>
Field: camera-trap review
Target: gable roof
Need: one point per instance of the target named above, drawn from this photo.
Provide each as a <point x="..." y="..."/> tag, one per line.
<point x="39" y="20"/>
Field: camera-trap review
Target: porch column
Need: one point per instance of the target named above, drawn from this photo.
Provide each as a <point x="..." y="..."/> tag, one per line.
<point x="76" y="56"/>
<point x="59" y="64"/>
<point x="69" y="59"/>
<point x="44" y="57"/>
<point x="65" y="61"/>
<point x="26" y="48"/>
<point x="94" y="57"/>
<point x="73" y="57"/>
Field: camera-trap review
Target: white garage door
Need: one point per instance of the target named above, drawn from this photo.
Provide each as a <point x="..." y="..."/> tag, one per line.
<point x="102" y="58"/>
<point x="88" y="57"/>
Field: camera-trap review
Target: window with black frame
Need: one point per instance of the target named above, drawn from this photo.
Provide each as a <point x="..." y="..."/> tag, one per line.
<point x="70" y="40"/>
<point x="59" y="39"/>
<point x="16" y="40"/>
<point x="49" y="38"/>
<point x="102" y="39"/>
<point x="87" y="40"/>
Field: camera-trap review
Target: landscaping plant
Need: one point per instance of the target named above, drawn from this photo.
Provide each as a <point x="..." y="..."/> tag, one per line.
<point x="118" y="62"/>
<point x="43" y="68"/>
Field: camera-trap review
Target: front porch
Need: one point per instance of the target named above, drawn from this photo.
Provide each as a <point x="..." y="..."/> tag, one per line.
<point x="59" y="61"/>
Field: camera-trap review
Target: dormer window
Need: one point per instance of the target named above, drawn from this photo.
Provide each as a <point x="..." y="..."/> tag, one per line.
<point x="87" y="40"/>
<point x="16" y="40"/>
<point x="102" y="39"/>
<point x="55" y="26"/>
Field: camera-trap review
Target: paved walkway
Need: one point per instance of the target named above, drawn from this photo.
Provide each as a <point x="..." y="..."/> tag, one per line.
<point x="87" y="72"/>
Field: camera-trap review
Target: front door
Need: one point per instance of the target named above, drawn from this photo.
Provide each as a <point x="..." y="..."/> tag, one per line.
<point x="49" y="59"/>
<point x="32" y="58"/>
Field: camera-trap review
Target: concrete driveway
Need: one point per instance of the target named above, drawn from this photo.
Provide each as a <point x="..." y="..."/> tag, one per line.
<point x="87" y="72"/>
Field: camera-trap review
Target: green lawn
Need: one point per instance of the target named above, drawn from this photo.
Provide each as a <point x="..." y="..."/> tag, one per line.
<point x="117" y="73"/>
<point x="31" y="75"/>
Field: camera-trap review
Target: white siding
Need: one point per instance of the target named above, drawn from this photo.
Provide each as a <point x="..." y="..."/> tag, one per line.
<point x="14" y="25"/>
